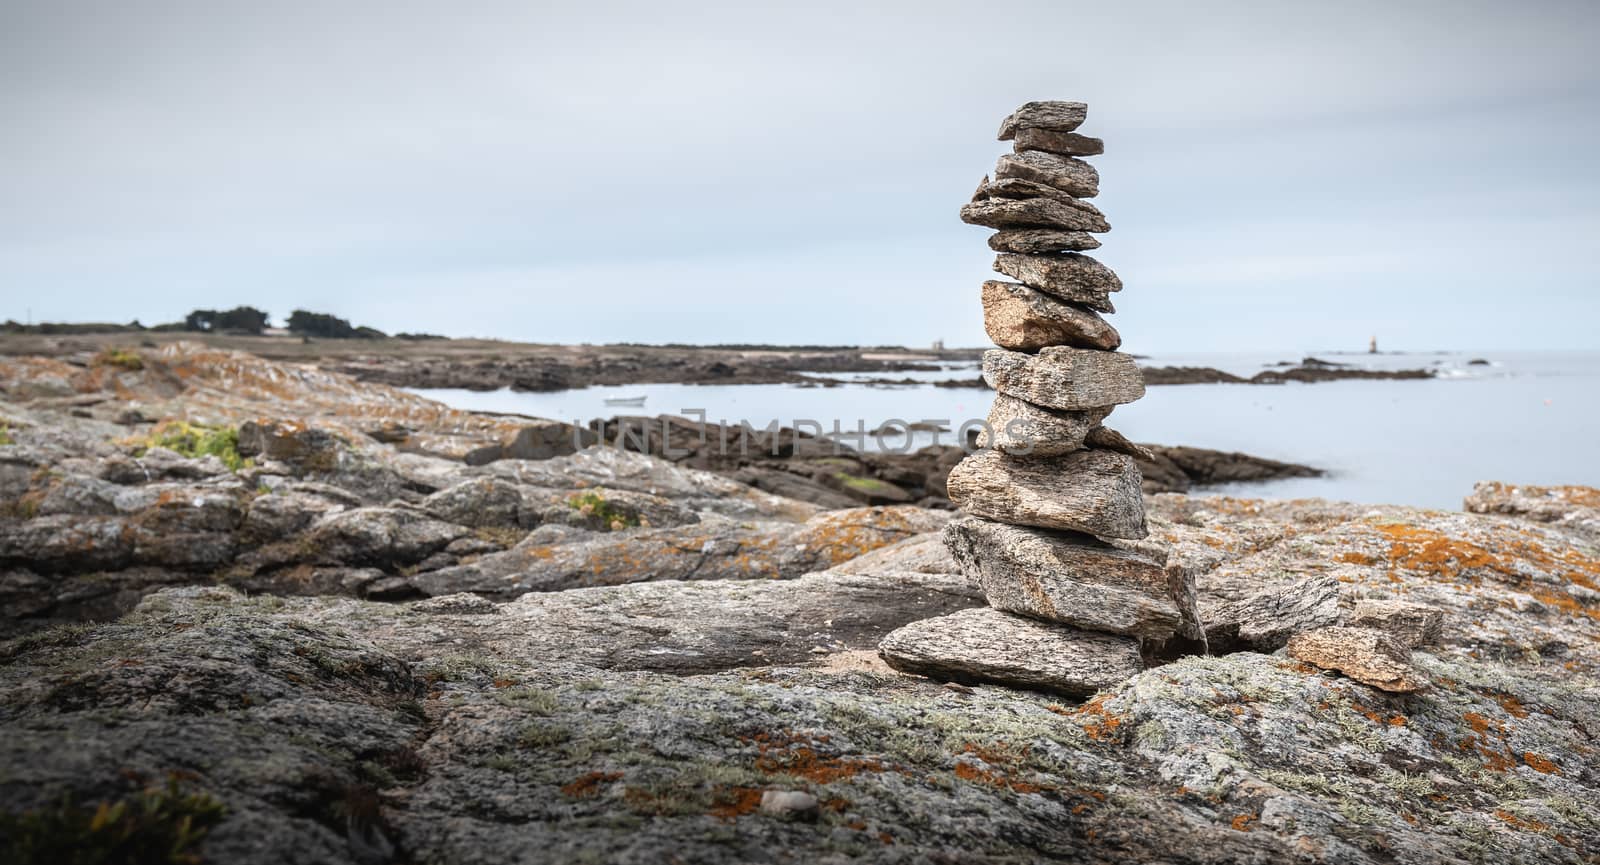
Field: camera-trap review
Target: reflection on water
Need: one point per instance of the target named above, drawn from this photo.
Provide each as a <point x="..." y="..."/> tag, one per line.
<point x="1522" y="418"/>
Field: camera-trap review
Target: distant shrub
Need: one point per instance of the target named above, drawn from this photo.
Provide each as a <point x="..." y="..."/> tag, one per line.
<point x="321" y="324"/>
<point x="244" y="319"/>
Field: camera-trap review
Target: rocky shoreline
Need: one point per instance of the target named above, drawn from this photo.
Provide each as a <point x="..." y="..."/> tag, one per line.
<point x="487" y="365"/>
<point x="265" y="612"/>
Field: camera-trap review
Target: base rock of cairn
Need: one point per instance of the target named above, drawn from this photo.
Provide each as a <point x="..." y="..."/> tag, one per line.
<point x="1056" y="511"/>
<point x="983" y="645"/>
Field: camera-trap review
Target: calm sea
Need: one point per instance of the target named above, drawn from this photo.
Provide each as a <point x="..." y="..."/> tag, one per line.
<point x="1531" y="418"/>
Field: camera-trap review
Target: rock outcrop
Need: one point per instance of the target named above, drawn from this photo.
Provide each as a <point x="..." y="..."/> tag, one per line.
<point x="648" y="722"/>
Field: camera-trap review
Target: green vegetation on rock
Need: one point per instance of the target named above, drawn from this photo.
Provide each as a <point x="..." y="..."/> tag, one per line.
<point x="592" y="504"/>
<point x="121" y="358"/>
<point x="157" y="825"/>
<point x="196" y="441"/>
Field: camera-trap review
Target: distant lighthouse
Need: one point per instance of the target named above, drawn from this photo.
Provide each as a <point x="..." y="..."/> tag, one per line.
<point x="1372" y="346"/>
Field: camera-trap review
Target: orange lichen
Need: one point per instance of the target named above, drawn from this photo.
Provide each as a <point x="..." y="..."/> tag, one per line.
<point x="1355" y="558"/>
<point x="1242" y="822"/>
<point x="730" y="803"/>
<point x="1511" y="704"/>
<point x="1440" y="557"/>
<point x="1527" y="824"/>
<point x="789" y="754"/>
<point x="977" y="774"/>
<point x="1540" y="764"/>
<point x="1099" y="724"/>
<point x="589" y="785"/>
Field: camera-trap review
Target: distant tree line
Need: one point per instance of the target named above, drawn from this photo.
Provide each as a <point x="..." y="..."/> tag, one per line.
<point x="240" y="320"/>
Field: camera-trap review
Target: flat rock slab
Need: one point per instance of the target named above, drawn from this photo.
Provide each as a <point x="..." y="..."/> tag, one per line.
<point x="1064" y="577"/>
<point x="1075" y="177"/>
<point x="1068" y="276"/>
<point x="1106" y="438"/>
<point x="1019" y="318"/>
<point x="1021" y="428"/>
<point x="1411" y="623"/>
<point x="1059" y="377"/>
<point x="1033" y="213"/>
<point x="1056" y="116"/>
<point x="1036" y="241"/>
<point x="1091" y="491"/>
<point x="986" y="645"/>
<point x="1370" y="656"/>
<point x="1016" y="187"/>
<point x="1266" y="620"/>
<point x="1064" y="143"/>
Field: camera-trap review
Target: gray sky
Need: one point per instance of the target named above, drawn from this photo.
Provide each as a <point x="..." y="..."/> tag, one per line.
<point x="1278" y="175"/>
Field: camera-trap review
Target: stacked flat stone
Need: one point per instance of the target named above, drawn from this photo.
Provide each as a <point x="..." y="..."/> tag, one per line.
<point x="1055" y="514"/>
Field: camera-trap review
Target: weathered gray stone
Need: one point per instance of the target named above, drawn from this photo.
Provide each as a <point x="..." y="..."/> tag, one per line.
<point x="1072" y="176"/>
<point x="1032" y="213"/>
<point x="716" y="549"/>
<point x="1015" y="187"/>
<point x="1109" y="439"/>
<point x="1068" y="276"/>
<point x="1065" y="143"/>
<point x="1017" y="317"/>
<point x="1091" y="491"/>
<point x="1035" y="241"/>
<point x="1053" y="115"/>
<point x="1021" y="428"/>
<point x="986" y="645"/>
<point x="1066" y="378"/>
<point x="1570" y="507"/>
<point x="1411" y="623"/>
<point x="1070" y="578"/>
<point x="1267" y="619"/>
<point x="1368" y="655"/>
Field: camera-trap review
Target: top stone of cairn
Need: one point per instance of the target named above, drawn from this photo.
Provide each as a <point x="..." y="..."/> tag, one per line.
<point x="1054" y="116"/>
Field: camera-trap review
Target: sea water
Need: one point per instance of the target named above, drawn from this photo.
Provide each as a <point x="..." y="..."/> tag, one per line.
<point x="1527" y="418"/>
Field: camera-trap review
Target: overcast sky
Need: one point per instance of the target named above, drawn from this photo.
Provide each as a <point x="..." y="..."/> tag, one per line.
<point x="1278" y="175"/>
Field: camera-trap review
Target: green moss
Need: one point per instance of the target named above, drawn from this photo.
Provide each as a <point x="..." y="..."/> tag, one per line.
<point x="196" y="441"/>
<point x="121" y="358"/>
<point x="5" y="436"/>
<point x="870" y="486"/>
<point x="58" y="635"/>
<point x="534" y="701"/>
<point x="542" y="735"/>
<point x="459" y="668"/>
<point x="592" y="504"/>
<point x="158" y="825"/>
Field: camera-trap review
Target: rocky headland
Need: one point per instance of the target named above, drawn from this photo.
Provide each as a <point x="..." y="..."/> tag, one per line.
<point x="260" y="611"/>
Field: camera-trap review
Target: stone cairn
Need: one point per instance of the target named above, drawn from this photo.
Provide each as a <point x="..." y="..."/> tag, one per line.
<point x="1055" y="522"/>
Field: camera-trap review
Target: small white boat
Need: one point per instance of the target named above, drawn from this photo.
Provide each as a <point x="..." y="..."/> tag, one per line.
<point x="626" y="400"/>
